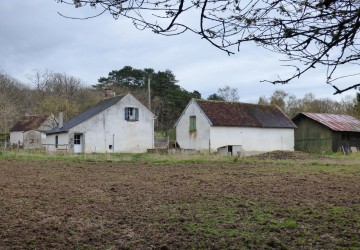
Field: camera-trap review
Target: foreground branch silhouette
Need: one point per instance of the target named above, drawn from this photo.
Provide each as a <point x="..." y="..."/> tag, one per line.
<point x="308" y="33"/>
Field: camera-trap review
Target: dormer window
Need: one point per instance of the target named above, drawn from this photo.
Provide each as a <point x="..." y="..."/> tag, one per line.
<point x="131" y="114"/>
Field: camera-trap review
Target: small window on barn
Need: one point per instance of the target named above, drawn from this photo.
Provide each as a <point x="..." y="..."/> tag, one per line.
<point x="77" y="139"/>
<point x="32" y="141"/>
<point x="192" y="123"/>
<point x="56" y="141"/>
<point x="131" y="114"/>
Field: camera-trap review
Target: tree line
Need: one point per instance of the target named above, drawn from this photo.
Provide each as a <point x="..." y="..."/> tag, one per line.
<point x="48" y="92"/>
<point x="45" y="93"/>
<point x="292" y="105"/>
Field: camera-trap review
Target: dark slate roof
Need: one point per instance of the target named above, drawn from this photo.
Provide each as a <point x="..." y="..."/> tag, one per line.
<point x="237" y="114"/>
<point x="29" y="122"/>
<point x="101" y="106"/>
<point x="343" y="123"/>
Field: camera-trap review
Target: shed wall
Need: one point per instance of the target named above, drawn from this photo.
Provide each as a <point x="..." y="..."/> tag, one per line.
<point x="344" y="140"/>
<point x="16" y="137"/>
<point x="63" y="142"/>
<point x="33" y="139"/>
<point x="253" y="140"/>
<point x="311" y="136"/>
<point x="199" y="139"/>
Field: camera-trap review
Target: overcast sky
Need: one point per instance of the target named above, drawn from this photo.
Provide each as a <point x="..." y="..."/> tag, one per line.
<point x="34" y="36"/>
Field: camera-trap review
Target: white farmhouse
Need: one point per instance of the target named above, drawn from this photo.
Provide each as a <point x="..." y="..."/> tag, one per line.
<point x="249" y="129"/>
<point x="29" y="131"/>
<point x="114" y="125"/>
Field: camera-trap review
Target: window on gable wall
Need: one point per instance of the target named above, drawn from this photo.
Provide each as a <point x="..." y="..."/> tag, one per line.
<point x="131" y="114"/>
<point x="192" y="123"/>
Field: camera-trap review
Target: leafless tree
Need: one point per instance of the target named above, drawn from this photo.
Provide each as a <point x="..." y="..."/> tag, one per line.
<point x="8" y="115"/>
<point x="307" y="33"/>
<point x="278" y="99"/>
<point x="61" y="84"/>
<point x="263" y="100"/>
<point x="40" y="79"/>
<point x="16" y="92"/>
<point x="229" y="94"/>
<point x="292" y="105"/>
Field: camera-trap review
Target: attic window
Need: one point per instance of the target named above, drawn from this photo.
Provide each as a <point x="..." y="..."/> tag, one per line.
<point x="131" y="114"/>
<point x="192" y="123"/>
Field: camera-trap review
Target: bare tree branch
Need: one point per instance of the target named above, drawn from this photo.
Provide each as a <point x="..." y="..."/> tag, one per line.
<point x="307" y="33"/>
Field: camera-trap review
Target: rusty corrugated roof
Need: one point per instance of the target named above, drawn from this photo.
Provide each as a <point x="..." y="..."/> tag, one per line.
<point x="345" y="123"/>
<point x="237" y="114"/>
<point x="29" y="122"/>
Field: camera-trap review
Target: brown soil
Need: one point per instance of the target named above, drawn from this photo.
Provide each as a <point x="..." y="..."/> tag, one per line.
<point x="67" y="205"/>
<point x="289" y="155"/>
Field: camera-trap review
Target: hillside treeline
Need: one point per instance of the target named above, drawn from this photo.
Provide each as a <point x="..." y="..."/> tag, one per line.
<point x="49" y="93"/>
<point x="293" y="105"/>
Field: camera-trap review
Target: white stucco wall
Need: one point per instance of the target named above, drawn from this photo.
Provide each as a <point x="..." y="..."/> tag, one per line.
<point x="253" y="140"/>
<point x="109" y="127"/>
<point x="210" y="138"/>
<point x="32" y="139"/>
<point x="63" y="140"/>
<point x="198" y="139"/>
<point x="43" y="138"/>
<point x="16" y="137"/>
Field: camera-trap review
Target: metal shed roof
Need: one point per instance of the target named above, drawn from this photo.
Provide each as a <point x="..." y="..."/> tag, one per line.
<point x="345" y="123"/>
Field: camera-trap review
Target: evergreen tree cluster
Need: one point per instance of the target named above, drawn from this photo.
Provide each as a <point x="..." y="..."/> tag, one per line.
<point x="168" y="99"/>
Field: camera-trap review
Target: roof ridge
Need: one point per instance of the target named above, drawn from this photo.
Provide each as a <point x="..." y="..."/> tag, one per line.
<point x="237" y="102"/>
<point x="327" y="114"/>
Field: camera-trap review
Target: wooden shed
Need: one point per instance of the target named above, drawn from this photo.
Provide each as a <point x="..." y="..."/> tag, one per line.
<point x="326" y="132"/>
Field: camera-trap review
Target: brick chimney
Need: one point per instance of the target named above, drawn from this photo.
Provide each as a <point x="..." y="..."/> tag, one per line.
<point x="109" y="93"/>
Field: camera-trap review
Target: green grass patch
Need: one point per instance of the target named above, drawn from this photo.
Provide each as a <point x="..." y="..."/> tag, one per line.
<point x="118" y="157"/>
<point x="264" y="225"/>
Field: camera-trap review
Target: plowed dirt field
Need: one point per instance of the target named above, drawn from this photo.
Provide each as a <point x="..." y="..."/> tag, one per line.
<point x="259" y="204"/>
